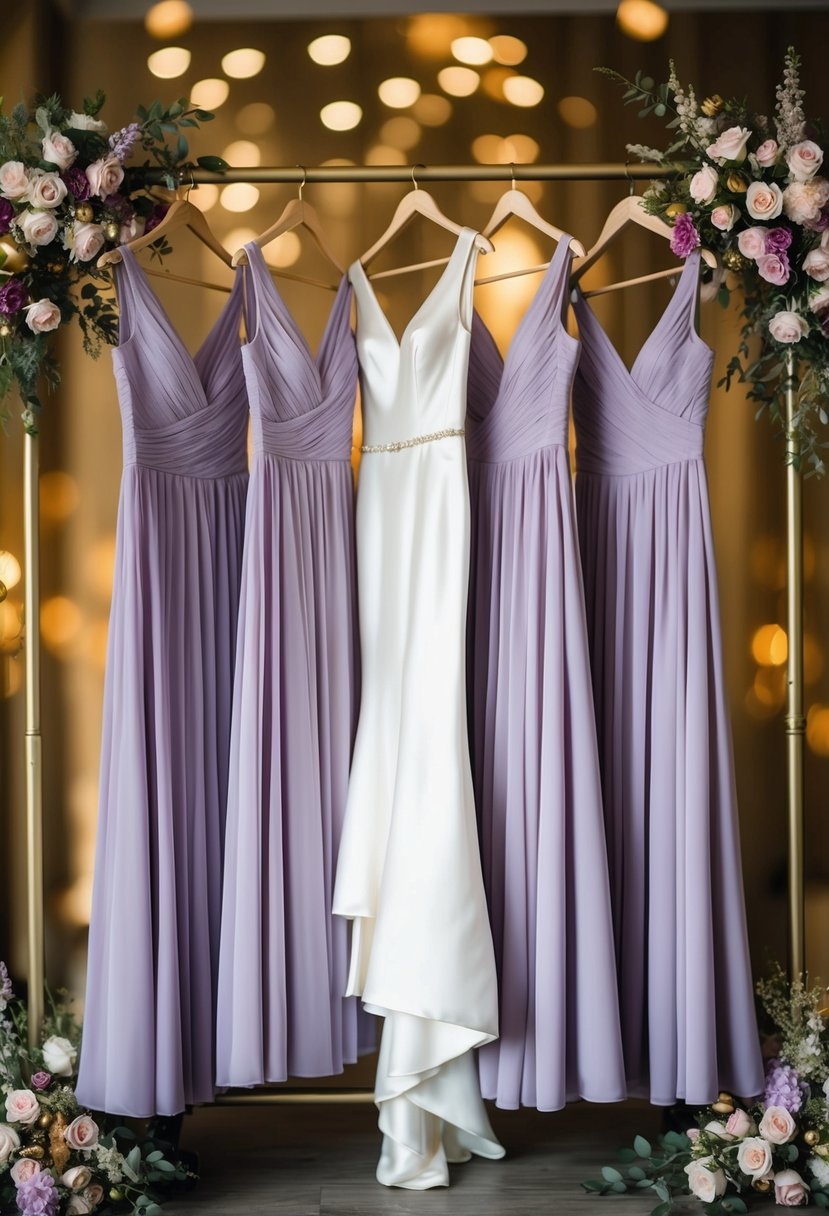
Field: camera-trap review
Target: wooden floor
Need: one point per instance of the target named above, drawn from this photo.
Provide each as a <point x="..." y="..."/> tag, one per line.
<point x="320" y="1161"/>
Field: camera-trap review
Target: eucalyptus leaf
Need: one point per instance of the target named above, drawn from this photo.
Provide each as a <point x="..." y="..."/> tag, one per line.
<point x="642" y="1147"/>
<point x="610" y="1174"/>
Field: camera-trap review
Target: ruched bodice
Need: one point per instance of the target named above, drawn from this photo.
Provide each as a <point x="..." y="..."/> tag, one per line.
<point x="521" y="403"/>
<point x="628" y="421"/>
<point x="181" y="414"/>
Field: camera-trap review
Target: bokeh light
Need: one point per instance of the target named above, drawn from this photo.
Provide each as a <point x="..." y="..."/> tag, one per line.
<point x="398" y="92"/>
<point x="577" y="112"/>
<point x="10" y="571"/>
<point x="432" y="110"/>
<point x="59" y="496"/>
<point x="523" y="91"/>
<point x="769" y="645"/>
<point x="243" y="63"/>
<point x="383" y="154"/>
<point x="285" y="251"/>
<point x="255" y="118"/>
<point x="168" y="19"/>
<point x="642" y="19"/>
<point x="242" y="152"/>
<point x="210" y="93"/>
<point x="61" y="621"/>
<point x="431" y="35"/>
<point x="239" y="196"/>
<point x="492" y="82"/>
<point x="330" y="49"/>
<point x="205" y="196"/>
<point x="458" y="82"/>
<point x="474" y="51"/>
<point x="508" y="50"/>
<point x="237" y="237"/>
<point x="169" y="62"/>
<point x="401" y="132"/>
<point x="817" y="729"/>
<point x="341" y="115"/>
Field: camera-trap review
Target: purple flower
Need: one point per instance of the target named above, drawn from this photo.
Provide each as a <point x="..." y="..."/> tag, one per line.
<point x="820" y="224"/>
<point x="41" y="1080"/>
<point x="777" y="240"/>
<point x="38" y="1196"/>
<point x="784" y="1087"/>
<point x="118" y="205"/>
<point x="13" y="296"/>
<point x="121" y="142"/>
<point x="684" y="238"/>
<point x="774" y="268"/>
<point x="77" y="183"/>
<point x="6" y="217"/>
<point x="156" y="216"/>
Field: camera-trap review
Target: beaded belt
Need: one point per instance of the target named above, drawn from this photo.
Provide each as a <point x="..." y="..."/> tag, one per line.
<point x="410" y="443"/>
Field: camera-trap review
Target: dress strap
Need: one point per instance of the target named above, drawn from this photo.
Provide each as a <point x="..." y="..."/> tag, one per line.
<point x="467" y="253"/>
<point x="128" y="287"/>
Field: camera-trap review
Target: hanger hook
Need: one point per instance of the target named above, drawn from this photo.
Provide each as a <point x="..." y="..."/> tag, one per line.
<point x="304" y="179"/>
<point x="419" y="165"/>
<point x="512" y="174"/>
<point x="628" y="178"/>
<point x="183" y="185"/>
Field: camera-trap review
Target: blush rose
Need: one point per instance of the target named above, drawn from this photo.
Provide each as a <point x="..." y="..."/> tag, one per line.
<point x="767" y="153"/>
<point x="777" y="1125"/>
<point x="790" y="1191"/>
<point x="58" y="150"/>
<point x="105" y="176"/>
<point x="82" y="1133"/>
<point x="23" y="1170"/>
<point x="754" y="1157"/>
<point x="752" y="242"/>
<point x="22" y="1105"/>
<point x="786" y="327"/>
<point x="38" y="227"/>
<point x="703" y="185"/>
<point x="725" y="217"/>
<point x="731" y="145"/>
<point x="764" y="201"/>
<point x="9" y="1142"/>
<point x="42" y="316"/>
<point x="707" y="1184"/>
<point x="804" y="160"/>
<point x="14" y="180"/>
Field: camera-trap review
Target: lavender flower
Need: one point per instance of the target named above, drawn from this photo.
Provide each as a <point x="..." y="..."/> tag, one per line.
<point x="778" y="239"/>
<point x="684" y="238"/>
<point x="6" y="217"/>
<point x="13" y="296"/>
<point x="784" y="1087"/>
<point x="121" y="142"/>
<point x="38" y="1196"/>
<point x="41" y="1080"/>
<point x="77" y="183"/>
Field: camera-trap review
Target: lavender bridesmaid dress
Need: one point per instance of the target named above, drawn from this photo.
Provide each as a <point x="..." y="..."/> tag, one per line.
<point x="532" y="729"/>
<point x="688" y="1023"/>
<point x="148" y="1045"/>
<point x="284" y="958"/>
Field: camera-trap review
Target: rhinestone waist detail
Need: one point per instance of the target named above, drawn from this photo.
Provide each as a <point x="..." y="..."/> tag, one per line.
<point x="401" y="444"/>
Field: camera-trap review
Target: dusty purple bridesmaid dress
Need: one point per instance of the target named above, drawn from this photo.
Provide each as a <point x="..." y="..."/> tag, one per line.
<point x="532" y="728"/>
<point x="688" y="1023"/>
<point x="284" y="957"/>
<point x="148" y="1044"/>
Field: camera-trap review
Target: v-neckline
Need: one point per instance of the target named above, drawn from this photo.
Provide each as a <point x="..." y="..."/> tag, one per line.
<point x="372" y="294"/>
<point x="164" y="317"/>
<point x="630" y="372"/>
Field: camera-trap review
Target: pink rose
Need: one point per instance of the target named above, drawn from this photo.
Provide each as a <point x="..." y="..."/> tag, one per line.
<point x="802" y="201"/>
<point x="94" y="1194"/>
<point x="790" y="1191"/>
<point x="38" y="227"/>
<point x="46" y="189"/>
<point x="725" y="217"/>
<point x="41" y="317"/>
<point x="752" y="242"/>
<point x="58" y="150"/>
<point x="804" y="160"/>
<point x="692" y="1134"/>
<point x="76" y="1178"/>
<point x="785" y="327"/>
<point x="703" y="185"/>
<point x="764" y="201"/>
<point x="740" y="1124"/>
<point x="774" y="268"/>
<point x="105" y="176"/>
<point x="84" y="241"/>
<point x="767" y="153"/>
<point x="9" y="1142"/>
<point x="705" y="1182"/>
<point x="82" y="1133"/>
<point x="777" y="1126"/>
<point x="23" y="1169"/>
<point x="754" y="1157"/>
<point x="816" y="264"/>
<point x="731" y="145"/>
<point x="22" y="1105"/>
<point x="14" y="180"/>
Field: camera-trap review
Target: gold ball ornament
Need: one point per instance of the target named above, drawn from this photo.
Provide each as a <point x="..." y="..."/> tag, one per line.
<point x="737" y="183"/>
<point x="112" y="230"/>
<point x="763" y="1185"/>
<point x="675" y="209"/>
<point x="712" y="105"/>
<point x="723" y="1108"/>
<point x="115" y="1195"/>
<point x="734" y="260"/>
<point x="5" y="330"/>
<point x="45" y="1119"/>
<point x="812" y="1137"/>
<point x="13" y="259"/>
<point x="84" y="213"/>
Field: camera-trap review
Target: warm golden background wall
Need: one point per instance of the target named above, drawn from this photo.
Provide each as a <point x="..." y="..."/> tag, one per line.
<point x="276" y="115"/>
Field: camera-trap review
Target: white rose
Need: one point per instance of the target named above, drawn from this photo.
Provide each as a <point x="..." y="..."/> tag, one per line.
<point x="764" y="201"/>
<point x="731" y="145"/>
<point x="77" y="1178"/>
<point x="819" y="299"/>
<point x="59" y="1056"/>
<point x="38" y="227"/>
<point x="41" y="317"/>
<point x="703" y="185"/>
<point x="725" y="217"/>
<point x="78" y="1206"/>
<point x="777" y="1126"/>
<point x="58" y="150"/>
<point x="802" y="201"/>
<point x="707" y="1184"/>
<point x="785" y="327"/>
<point x="714" y="1127"/>
<point x="816" y="264"/>
<point x="46" y="189"/>
<point x="105" y="176"/>
<point x="14" y="180"/>
<point x="752" y="242"/>
<point x="82" y="122"/>
<point x="9" y="1142"/>
<point x="754" y="1157"/>
<point x="804" y="160"/>
<point x="84" y="241"/>
<point x="22" y="1106"/>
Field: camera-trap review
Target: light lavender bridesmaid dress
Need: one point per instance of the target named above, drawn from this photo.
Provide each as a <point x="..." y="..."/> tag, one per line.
<point x="284" y="957"/>
<point x="148" y="1044"/>
<point x="532" y="728"/>
<point x="688" y="1022"/>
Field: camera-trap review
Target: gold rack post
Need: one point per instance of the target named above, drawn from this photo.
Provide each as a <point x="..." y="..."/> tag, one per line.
<point x="795" y="721"/>
<point x="296" y="174"/>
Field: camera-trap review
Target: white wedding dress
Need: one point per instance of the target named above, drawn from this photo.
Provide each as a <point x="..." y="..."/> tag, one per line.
<point x="409" y="872"/>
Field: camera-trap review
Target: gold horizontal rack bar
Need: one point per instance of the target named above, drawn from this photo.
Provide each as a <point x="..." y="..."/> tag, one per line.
<point x="300" y="174"/>
<point x="294" y="1097"/>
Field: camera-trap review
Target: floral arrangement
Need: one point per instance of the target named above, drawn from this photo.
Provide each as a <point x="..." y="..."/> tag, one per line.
<point x="752" y="190"/>
<point x="55" y="1159"/>
<point x="777" y="1146"/>
<point x="66" y="193"/>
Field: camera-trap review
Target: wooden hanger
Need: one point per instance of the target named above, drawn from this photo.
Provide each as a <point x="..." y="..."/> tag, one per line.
<point x="297" y="213"/>
<point x="181" y="214"/>
<point x="418" y="202"/>
<point x="515" y="202"/>
<point x="627" y="211"/>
